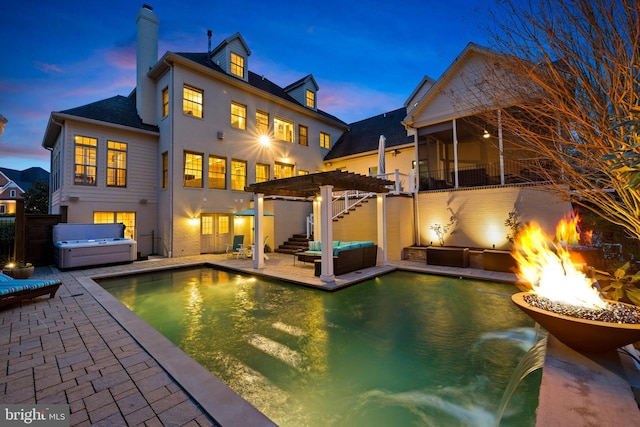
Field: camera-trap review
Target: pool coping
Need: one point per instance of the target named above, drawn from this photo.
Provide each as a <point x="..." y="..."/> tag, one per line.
<point x="216" y="398"/>
<point x="603" y="375"/>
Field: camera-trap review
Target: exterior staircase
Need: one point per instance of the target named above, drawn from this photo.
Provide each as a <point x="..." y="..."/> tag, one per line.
<point x="296" y="243"/>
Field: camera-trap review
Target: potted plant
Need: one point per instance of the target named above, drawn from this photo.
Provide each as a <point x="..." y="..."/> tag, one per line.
<point x="18" y="269"/>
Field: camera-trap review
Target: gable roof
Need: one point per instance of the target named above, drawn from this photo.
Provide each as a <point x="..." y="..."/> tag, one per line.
<point x="445" y="78"/>
<point x="363" y="136"/>
<point x="118" y="110"/>
<point x="306" y="79"/>
<point x="228" y="40"/>
<point x="25" y="178"/>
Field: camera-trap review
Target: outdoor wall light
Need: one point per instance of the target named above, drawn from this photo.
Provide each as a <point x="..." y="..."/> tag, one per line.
<point x="193" y="220"/>
<point x="264" y="140"/>
<point x="486" y="134"/>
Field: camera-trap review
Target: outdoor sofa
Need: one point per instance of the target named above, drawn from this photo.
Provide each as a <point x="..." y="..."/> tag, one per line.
<point x="347" y="256"/>
<point x="15" y="290"/>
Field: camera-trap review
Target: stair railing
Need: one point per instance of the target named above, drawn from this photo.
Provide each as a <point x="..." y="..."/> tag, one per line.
<point x="344" y="201"/>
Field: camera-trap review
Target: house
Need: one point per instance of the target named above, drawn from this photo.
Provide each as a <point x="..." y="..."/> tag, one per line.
<point x="468" y="178"/>
<point x="172" y="159"/>
<point x="14" y="183"/>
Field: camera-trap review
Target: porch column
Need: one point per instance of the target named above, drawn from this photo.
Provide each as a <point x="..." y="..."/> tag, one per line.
<point x="326" y="230"/>
<point x="455" y="154"/>
<point x="501" y="147"/>
<point x="381" y="200"/>
<point x="258" y="233"/>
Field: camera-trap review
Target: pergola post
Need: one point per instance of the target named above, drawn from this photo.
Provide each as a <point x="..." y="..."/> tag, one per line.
<point x="316" y="219"/>
<point x="258" y="233"/>
<point x="326" y="232"/>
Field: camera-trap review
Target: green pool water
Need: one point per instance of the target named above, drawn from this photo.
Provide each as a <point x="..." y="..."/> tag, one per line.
<point x="403" y="349"/>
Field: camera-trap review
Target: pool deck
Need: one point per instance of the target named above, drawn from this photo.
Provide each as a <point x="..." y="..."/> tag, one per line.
<point x="85" y="349"/>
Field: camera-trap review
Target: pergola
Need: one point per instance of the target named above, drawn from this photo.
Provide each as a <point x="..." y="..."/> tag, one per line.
<point x="323" y="184"/>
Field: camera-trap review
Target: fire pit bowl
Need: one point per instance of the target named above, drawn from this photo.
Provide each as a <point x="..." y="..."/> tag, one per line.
<point x="582" y="335"/>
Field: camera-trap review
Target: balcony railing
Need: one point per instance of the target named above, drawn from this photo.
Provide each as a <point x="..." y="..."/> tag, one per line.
<point x="480" y="175"/>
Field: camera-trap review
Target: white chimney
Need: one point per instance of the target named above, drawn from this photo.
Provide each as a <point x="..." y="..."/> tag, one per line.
<point x="146" y="57"/>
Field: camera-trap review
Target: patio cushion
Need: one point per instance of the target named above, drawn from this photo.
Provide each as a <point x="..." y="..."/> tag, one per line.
<point x="11" y="286"/>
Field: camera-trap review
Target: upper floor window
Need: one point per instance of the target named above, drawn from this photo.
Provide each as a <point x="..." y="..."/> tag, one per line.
<point x="238" y="116"/>
<point x="238" y="174"/>
<point x="282" y="170"/>
<point x="262" y="172"/>
<point x="85" y="160"/>
<point x="192" y="101"/>
<point x="283" y="129"/>
<point x="237" y="65"/>
<point x="303" y="135"/>
<point x="325" y="140"/>
<point x="13" y="193"/>
<point x="192" y="169"/>
<point x="310" y="99"/>
<point x="165" y="170"/>
<point x="262" y="123"/>
<point x="116" y="164"/>
<point x="217" y="172"/>
<point x="165" y="102"/>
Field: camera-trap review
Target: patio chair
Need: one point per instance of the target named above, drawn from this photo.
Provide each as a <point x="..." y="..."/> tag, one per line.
<point x="251" y="250"/>
<point x="15" y="290"/>
<point x="236" y="247"/>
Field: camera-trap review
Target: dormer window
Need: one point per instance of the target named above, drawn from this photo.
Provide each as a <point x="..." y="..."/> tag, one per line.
<point x="310" y="99"/>
<point x="237" y="65"/>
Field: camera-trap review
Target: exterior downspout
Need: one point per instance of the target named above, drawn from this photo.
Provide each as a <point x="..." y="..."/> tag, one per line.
<point x="170" y="165"/>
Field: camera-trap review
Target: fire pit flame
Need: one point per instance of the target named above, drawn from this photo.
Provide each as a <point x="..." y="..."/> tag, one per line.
<point x="547" y="266"/>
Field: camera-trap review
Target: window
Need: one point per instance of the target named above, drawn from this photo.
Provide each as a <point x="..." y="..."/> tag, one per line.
<point x="237" y="65"/>
<point x="192" y="169"/>
<point x="238" y="116"/>
<point x="238" y="174"/>
<point x="206" y="225"/>
<point x="282" y="170"/>
<point x="192" y="101"/>
<point x="303" y="135"/>
<point x="165" y="102"/>
<point x="116" y="164"/>
<point x="310" y="99"/>
<point x="165" y="170"/>
<point x="12" y="194"/>
<point x="85" y="160"/>
<point x="283" y="129"/>
<point x="126" y="218"/>
<point x="217" y="172"/>
<point x="262" y="123"/>
<point x="325" y="140"/>
<point x="262" y="172"/>
<point x="223" y="224"/>
<point x="303" y="172"/>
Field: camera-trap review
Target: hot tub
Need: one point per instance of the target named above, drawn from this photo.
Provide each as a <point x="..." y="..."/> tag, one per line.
<point x="81" y="245"/>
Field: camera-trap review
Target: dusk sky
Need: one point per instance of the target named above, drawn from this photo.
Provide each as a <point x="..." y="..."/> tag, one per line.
<point x="366" y="56"/>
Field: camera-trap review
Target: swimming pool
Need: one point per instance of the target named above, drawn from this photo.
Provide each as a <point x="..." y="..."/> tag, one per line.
<point x="402" y="349"/>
